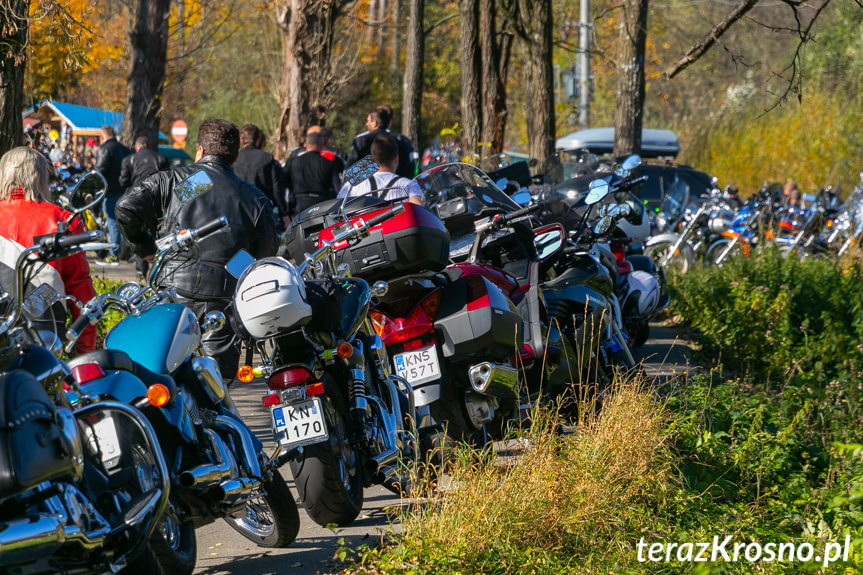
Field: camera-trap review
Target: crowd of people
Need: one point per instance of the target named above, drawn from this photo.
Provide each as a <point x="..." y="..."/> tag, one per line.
<point x="258" y="194"/>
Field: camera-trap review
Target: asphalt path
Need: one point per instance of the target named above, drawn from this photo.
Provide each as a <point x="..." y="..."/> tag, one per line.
<point x="223" y="551"/>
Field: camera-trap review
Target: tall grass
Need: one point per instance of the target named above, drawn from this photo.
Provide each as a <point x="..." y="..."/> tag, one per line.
<point x="567" y="502"/>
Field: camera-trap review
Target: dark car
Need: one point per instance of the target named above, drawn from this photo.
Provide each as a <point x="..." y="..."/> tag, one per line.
<point x="660" y="178"/>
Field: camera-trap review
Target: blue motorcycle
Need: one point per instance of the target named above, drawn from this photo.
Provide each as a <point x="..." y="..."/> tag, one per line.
<point x="218" y="467"/>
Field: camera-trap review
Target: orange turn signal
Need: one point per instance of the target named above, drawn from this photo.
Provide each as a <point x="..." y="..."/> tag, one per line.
<point x="344" y="350"/>
<point x="246" y="373"/>
<point x="158" y="395"/>
<point x="379" y="321"/>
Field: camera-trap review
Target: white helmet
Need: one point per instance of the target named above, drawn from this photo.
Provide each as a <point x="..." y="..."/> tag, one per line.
<point x="648" y="291"/>
<point x="271" y="297"/>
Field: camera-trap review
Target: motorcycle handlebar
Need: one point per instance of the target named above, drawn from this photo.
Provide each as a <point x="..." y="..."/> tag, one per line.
<point x="75" y="330"/>
<point x="394" y="211"/>
<point x="77" y="239"/>
<point x="211" y="227"/>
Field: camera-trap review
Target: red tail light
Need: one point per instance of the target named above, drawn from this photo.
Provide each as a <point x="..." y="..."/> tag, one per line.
<point x="87" y="372"/>
<point x="290" y="377"/>
<point x="623" y="265"/>
<point x="419" y="321"/>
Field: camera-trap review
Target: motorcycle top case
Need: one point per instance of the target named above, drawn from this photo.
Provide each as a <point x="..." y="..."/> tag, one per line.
<point x="302" y="236"/>
<point x="410" y="242"/>
<point x="32" y="444"/>
<point x="476" y="319"/>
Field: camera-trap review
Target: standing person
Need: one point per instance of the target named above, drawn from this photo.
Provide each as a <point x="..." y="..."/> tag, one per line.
<point x="109" y="160"/>
<point x="203" y="284"/>
<point x="260" y="169"/>
<point x="330" y="150"/>
<point x="26" y="211"/>
<point x="135" y="169"/>
<point x="361" y="147"/>
<point x="407" y="153"/>
<point x="311" y="177"/>
<point x="385" y="152"/>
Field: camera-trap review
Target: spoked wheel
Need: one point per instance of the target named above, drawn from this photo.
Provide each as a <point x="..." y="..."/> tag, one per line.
<point x="717" y="248"/>
<point x="328" y="475"/>
<point x="270" y="520"/>
<point x="680" y="261"/>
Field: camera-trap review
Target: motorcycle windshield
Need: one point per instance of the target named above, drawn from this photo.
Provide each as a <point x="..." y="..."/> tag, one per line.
<point x="675" y="200"/>
<point x="460" y="190"/>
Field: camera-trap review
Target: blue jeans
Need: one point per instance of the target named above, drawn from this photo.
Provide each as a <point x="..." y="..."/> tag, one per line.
<point x="109" y="203"/>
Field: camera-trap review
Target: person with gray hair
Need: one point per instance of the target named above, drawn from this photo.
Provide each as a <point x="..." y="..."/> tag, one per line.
<point x="311" y="177"/>
<point x="26" y="211"/>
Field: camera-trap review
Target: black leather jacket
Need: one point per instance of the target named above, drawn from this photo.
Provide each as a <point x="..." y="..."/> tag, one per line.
<point x="109" y="163"/>
<point x="145" y="162"/>
<point x="147" y="211"/>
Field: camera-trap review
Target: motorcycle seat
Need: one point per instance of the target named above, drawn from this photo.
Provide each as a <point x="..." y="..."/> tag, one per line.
<point x="114" y="359"/>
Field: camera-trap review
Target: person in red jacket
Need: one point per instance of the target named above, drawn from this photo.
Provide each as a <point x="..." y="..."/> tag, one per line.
<point x="26" y="211"/>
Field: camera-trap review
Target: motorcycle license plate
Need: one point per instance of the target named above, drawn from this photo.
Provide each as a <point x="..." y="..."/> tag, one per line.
<point x="418" y="366"/>
<point x="103" y="435"/>
<point x="300" y="423"/>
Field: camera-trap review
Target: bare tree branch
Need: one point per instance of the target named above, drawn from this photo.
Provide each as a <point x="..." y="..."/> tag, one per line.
<point x="794" y="83"/>
<point x="698" y="50"/>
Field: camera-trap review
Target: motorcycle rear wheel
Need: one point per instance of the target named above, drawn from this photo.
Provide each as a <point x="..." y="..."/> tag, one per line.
<point x="328" y="475"/>
<point x="270" y="520"/>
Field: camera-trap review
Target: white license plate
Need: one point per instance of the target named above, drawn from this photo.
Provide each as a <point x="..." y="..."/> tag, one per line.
<point x="105" y="439"/>
<point x="418" y="366"/>
<point x="300" y="423"/>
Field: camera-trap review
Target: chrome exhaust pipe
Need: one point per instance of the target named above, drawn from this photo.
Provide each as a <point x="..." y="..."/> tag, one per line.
<point x="494" y="379"/>
<point x="21" y="539"/>
<point x="234" y="491"/>
<point x="380" y="464"/>
<point x="248" y="456"/>
<point x="211" y="474"/>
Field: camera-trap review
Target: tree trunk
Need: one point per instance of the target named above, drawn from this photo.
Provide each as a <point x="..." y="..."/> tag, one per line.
<point x="13" y="37"/>
<point x="412" y="97"/>
<point x="629" y="112"/>
<point x="396" y="39"/>
<point x="148" y="51"/>
<point x="539" y="92"/>
<point x="470" y="76"/>
<point x="495" y="48"/>
<point x="310" y="80"/>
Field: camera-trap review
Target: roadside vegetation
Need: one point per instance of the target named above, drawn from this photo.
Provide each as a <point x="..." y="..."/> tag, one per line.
<point x="764" y="446"/>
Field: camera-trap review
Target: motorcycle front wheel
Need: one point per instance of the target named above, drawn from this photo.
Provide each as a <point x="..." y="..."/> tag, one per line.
<point x="679" y="261"/>
<point x="328" y="475"/>
<point x="270" y="520"/>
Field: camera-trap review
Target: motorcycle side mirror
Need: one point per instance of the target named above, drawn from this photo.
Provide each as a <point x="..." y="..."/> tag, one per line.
<point x="603" y="225"/>
<point x="88" y="192"/>
<point x="521" y="198"/>
<point x="189" y="189"/>
<point x="598" y="190"/>
<point x="360" y="170"/>
<point x="239" y="263"/>
<point x="450" y="208"/>
<point x="603" y="210"/>
<point x="548" y="242"/>
<point x="628" y="165"/>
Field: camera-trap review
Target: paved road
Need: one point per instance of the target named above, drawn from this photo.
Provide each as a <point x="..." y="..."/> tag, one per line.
<point x="222" y="551"/>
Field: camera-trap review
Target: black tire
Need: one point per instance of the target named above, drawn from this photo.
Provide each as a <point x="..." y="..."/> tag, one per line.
<point x="328" y="475"/>
<point x="271" y="520"/>
<point x="173" y="544"/>
<point x="642" y="333"/>
<point x="680" y="262"/>
<point x="449" y="410"/>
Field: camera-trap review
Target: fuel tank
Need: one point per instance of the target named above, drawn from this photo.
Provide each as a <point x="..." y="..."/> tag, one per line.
<point x="160" y="339"/>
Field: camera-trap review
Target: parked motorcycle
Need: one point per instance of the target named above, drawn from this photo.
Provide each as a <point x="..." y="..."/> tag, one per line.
<point x="686" y="230"/>
<point x="337" y="411"/>
<point x="83" y="483"/>
<point x="217" y="466"/>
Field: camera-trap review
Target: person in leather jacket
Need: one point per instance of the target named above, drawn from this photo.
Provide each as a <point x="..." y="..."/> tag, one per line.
<point x="109" y="163"/>
<point x="147" y="211"/>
